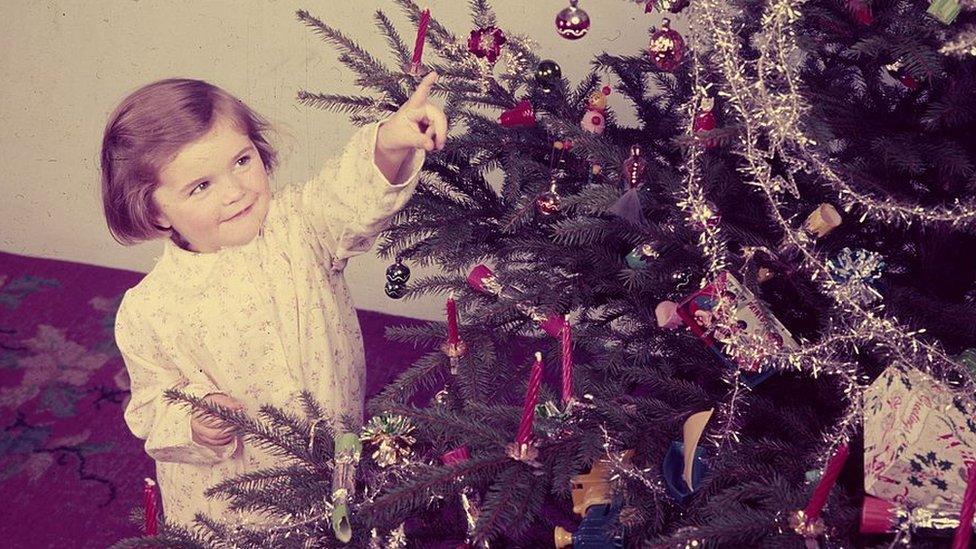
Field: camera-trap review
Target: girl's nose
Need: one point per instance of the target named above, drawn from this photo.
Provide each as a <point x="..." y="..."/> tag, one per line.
<point x="233" y="191"/>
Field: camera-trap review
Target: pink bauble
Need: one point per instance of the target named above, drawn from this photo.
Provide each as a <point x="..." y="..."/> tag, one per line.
<point x="593" y="122"/>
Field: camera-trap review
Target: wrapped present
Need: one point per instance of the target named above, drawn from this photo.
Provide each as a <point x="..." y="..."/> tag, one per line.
<point x="749" y="321"/>
<point x="918" y="440"/>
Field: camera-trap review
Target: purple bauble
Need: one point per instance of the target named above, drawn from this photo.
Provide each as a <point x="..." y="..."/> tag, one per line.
<point x="572" y="23"/>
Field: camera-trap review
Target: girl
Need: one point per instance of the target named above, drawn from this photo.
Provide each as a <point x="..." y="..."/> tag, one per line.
<point x="248" y="305"/>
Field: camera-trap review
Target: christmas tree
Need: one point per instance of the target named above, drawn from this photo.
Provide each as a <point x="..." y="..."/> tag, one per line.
<point x="711" y="291"/>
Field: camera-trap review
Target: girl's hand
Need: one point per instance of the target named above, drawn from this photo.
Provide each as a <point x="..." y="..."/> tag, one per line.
<point x="417" y="125"/>
<point x="210" y="430"/>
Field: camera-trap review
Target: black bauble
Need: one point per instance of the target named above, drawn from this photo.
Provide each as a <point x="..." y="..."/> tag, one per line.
<point x="398" y="273"/>
<point x="396" y="291"/>
<point x="547" y="75"/>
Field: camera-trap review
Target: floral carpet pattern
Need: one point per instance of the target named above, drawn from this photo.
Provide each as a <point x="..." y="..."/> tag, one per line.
<point x="70" y="471"/>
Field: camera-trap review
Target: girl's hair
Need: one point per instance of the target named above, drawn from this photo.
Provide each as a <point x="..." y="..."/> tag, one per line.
<point x="145" y="133"/>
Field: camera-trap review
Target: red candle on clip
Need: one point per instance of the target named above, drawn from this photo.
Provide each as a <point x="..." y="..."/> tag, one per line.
<point x="827" y="481"/>
<point x="418" y="46"/>
<point x="452" y="321"/>
<point x="528" y="408"/>
<point x="149" y="504"/>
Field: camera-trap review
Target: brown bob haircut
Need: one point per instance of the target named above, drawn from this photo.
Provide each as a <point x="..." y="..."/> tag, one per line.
<point x="146" y="132"/>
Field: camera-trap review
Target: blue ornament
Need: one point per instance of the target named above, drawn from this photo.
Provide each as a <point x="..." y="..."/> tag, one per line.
<point x="860" y="272"/>
<point x="673" y="468"/>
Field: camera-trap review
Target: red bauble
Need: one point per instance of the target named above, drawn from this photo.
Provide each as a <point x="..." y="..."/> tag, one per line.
<point x="521" y="115"/>
<point x="898" y="72"/>
<point x="486" y="42"/>
<point x="666" y="48"/>
<point x="705" y="121"/>
<point x="572" y="23"/>
<point x="861" y="12"/>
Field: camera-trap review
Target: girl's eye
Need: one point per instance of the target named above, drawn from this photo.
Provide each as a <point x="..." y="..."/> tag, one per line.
<point x="200" y="188"/>
<point x="244" y="160"/>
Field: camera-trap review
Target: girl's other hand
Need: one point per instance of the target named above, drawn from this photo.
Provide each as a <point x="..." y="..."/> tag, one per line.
<point x="210" y="430"/>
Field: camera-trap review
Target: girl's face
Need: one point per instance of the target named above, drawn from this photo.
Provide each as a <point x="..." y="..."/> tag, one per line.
<point x="215" y="192"/>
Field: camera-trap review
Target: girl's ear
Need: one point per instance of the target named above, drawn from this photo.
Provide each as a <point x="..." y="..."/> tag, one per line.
<point x="162" y="222"/>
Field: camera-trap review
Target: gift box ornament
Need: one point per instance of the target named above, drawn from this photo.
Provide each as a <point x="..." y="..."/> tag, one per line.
<point x="749" y="322"/>
<point x="918" y="440"/>
<point x="945" y="11"/>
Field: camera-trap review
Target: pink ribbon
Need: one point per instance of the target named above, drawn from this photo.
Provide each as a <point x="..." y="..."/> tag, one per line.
<point x="457" y="455"/>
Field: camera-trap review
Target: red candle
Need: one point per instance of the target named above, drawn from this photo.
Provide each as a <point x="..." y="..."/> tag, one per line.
<point x="965" y="529"/>
<point x="452" y="321"/>
<point x="149" y="504"/>
<point x="567" y="352"/>
<point x="827" y="481"/>
<point x="528" y="409"/>
<point x="418" y="46"/>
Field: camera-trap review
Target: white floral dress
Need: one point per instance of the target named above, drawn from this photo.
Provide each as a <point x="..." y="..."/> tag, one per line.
<point x="259" y="322"/>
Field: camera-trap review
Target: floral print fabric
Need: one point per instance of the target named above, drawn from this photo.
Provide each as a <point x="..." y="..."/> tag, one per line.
<point x="259" y="322"/>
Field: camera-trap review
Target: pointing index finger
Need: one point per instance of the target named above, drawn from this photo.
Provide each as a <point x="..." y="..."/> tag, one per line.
<point x="420" y="95"/>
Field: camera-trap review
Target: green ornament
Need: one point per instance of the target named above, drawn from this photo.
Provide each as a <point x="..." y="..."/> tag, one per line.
<point x="639" y="257"/>
<point x="967" y="358"/>
<point x="549" y="410"/>
<point x="944" y="10"/>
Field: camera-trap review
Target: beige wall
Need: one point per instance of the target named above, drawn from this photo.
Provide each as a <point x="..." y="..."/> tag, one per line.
<point x="65" y="65"/>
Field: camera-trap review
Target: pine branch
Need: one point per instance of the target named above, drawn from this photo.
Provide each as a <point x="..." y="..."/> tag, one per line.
<point x="413" y="494"/>
<point x="426" y="373"/>
<point x="397" y="47"/>
<point x="511" y="504"/>
<point x="341" y="103"/>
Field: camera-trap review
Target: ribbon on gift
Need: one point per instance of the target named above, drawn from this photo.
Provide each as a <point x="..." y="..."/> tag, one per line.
<point x="879" y="516"/>
<point x="685" y="464"/>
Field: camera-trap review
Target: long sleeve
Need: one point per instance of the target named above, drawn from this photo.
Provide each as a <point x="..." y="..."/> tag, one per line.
<point x="350" y="202"/>
<point x="164" y="425"/>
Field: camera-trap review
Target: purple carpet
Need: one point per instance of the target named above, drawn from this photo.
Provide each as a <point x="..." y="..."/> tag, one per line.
<point x="70" y="471"/>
